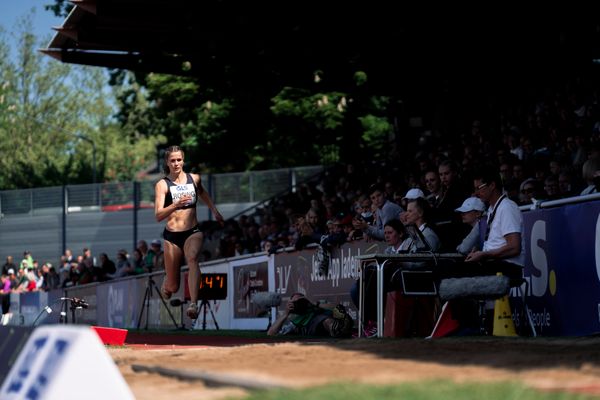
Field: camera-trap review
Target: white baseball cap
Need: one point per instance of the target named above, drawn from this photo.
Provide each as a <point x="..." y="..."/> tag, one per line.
<point x="471" y="204"/>
<point x="414" y="193"/>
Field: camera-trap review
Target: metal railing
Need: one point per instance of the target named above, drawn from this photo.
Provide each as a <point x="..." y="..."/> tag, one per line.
<point x="240" y="187"/>
<point x="560" y="202"/>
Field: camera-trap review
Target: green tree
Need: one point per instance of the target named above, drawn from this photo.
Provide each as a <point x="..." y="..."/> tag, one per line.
<point x="46" y="107"/>
<point x="327" y="126"/>
<point x="266" y="113"/>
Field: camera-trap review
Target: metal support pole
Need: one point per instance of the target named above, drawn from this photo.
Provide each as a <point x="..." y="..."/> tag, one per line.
<point x="293" y="179"/>
<point x="136" y="206"/>
<point x="65" y="209"/>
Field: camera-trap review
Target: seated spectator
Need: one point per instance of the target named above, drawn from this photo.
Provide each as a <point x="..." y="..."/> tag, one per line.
<point x="123" y="266"/>
<point x="386" y="211"/>
<point x="9" y="264"/>
<point x="306" y="232"/>
<point x="506" y="172"/>
<point x="591" y="175"/>
<point x="470" y="212"/>
<point x="42" y="275"/>
<point x="551" y="188"/>
<point x="417" y="213"/>
<point x="107" y="268"/>
<point x="5" y="295"/>
<point x="150" y="254"/>
<point x="64" y="271"/>
<point x="12" y="277"/>
<point x="365" y="209"/>
<point x="314" y="221"/>
<point x="447" y="223"/>
<point x="159" y="258"/>
<point x="51" y="279"/>
<point x="502" y="251"/>
<point x="397" y="240"/>
<point x="565" y="184"/>
<point x="31" y="280"/>
<point x="85" y="269"/>
<point x="156" y="251"/>
<point x="138" y="264"/>
<point x="453" y="190"/>
<point x="268" y="246"/>
<point x="531" y="191"/>
<point x="27" y="260"/>
<point x="434" y="187"/>
<point x="146" y="256"/>
<point x="363" y="212"/>
<point x="348" y="229"/>
<point x="302" y="317"/>
<point x="336" y="237"/>
<point x="411" y="194"/>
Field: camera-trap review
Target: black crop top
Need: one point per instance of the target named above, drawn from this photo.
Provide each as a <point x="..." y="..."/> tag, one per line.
<point x="176" y="191"/>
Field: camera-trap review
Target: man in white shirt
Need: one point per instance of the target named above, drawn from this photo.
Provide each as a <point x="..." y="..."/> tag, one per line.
<point x="502" y="247"/>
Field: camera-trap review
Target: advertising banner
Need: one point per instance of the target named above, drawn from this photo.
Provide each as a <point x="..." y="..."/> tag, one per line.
<point x="562" y="247"/>
<point x="298" y="271"/>
<point x="249" y="276"/>
<point x="31" y="305"/>
<point x="114" y="302"/>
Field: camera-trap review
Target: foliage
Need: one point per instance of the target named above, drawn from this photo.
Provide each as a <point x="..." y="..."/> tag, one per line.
<point x="376" y="131"/>
<point x="60" y="8"/>
<point x="222" y="131"/>
<point x="46" y="108"/>
<point x="193" y="118"/>
<point x="247" y="117"/>
<point x="326" y="126"/>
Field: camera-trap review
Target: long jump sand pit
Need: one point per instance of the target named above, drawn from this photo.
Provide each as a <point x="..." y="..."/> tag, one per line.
<point x="545" y="363"/>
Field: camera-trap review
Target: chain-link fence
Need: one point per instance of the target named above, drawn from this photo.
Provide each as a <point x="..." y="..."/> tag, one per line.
<point x="242" y="187"/>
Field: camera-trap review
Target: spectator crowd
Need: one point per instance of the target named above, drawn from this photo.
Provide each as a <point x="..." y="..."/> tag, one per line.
<point x="544" y="147"/>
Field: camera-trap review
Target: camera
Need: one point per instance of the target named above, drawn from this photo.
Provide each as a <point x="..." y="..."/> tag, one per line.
<point x="357" y="234"/>
<point x="366" y="216"/>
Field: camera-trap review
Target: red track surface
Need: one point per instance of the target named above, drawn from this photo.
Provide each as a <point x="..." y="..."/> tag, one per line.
<point x="155" y="340"/>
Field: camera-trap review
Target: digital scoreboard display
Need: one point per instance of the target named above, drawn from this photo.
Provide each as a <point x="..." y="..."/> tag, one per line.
<point x="213" y="286"/>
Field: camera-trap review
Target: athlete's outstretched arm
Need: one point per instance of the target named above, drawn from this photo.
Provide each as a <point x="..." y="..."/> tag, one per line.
<point x="203" y="194"/>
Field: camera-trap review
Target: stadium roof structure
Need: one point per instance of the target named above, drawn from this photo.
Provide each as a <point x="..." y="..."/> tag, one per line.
<point x="285" y="41"/>
<point x="198" y="37"/>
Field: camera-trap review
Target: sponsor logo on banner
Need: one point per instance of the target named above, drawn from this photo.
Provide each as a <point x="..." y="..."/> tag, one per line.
<point x="562" y="257"/>
<point x="249" y="279"/>
<point x="539" y="261"/>
<point x="597" y="247"/>
<point x="115" y="306"/>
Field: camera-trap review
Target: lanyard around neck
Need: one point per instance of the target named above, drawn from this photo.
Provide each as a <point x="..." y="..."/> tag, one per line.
<point x="492" y="216"/>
